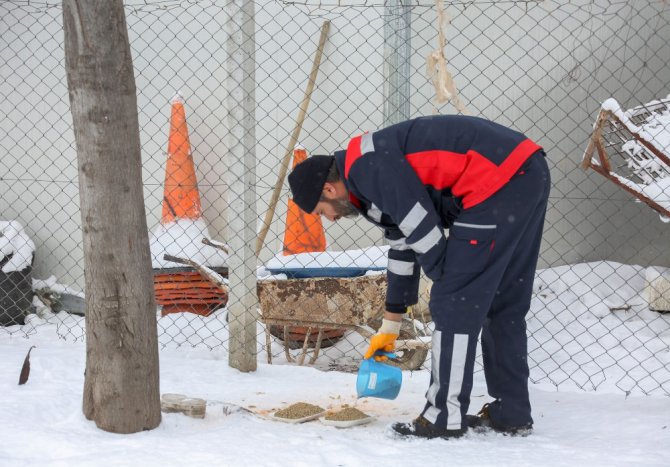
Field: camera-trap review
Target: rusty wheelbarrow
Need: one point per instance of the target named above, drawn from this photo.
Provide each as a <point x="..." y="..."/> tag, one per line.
<point x="323" y="304"/>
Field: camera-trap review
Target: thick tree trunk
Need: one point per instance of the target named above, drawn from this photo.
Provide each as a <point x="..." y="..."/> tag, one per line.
<point x="121" y="388"/>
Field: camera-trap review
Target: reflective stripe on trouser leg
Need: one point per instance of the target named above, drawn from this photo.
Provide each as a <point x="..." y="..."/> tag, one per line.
<point x="453" y="381"/>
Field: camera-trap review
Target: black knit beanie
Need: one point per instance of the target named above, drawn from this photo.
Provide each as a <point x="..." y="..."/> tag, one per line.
<point x="307" y="180"/>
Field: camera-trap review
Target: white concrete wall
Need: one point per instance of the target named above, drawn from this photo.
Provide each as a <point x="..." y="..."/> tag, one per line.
<point x="542" y="68"/>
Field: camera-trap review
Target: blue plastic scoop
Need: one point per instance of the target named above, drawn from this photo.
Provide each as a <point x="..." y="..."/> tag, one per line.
<point x="377" y="379"/>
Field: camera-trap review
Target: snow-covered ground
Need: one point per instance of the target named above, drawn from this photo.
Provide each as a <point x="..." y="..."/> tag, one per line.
<point x="590" y="326"/>
<point x="42" y="421"/>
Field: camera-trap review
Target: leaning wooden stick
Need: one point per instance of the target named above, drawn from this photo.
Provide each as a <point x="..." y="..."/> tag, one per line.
<point x="207" y="273"/>
<point x="217" y="245"/>
<point x="294" y="139"/>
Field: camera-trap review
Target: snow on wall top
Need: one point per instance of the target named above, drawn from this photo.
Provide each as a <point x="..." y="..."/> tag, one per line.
<point x="14" y="241"/>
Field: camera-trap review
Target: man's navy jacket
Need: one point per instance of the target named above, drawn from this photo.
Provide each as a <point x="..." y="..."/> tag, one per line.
<point x="413" y="178"/>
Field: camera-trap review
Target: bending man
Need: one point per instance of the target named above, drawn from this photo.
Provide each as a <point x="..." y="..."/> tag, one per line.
<point x="489" y="186"/>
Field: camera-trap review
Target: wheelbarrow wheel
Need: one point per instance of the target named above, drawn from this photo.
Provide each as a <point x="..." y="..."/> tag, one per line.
<point x="409" y="359"/>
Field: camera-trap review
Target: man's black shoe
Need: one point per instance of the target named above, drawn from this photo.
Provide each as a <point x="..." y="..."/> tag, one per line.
<point x="422" y="428"/>
<point x="482" y="422"/>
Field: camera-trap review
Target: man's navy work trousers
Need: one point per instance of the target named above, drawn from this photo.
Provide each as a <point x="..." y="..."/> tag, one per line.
<point x="486" y="286"/>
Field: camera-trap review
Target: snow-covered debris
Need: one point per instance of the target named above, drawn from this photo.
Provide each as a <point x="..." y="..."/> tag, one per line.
<point x="653" y="128"/>
<point x="15" y="242"/>
<point x="183" y="239"/>
<point x="375" y="257"/>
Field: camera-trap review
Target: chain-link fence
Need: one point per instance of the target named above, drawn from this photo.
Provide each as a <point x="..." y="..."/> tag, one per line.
<point x="544" y="68"/>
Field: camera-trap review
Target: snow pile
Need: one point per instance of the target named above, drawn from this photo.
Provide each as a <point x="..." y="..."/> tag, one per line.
<point x="183" y="239"/>
<point x="15" y="247"/>
<point x="590" y="326"/>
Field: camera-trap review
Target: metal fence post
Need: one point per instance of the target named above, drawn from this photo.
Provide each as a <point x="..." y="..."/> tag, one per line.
<point x="397" y="50"/>
<point x="241" y="101"/>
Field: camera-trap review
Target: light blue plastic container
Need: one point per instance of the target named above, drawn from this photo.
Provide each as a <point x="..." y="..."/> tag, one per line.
<point x="377" y="379"/>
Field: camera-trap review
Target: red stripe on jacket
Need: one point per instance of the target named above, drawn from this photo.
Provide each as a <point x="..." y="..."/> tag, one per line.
<point x="470" y="176"/>
<point x="353" y="153"/>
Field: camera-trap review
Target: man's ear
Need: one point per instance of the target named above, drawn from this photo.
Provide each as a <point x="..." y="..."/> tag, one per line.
<point x="329" y="191"/>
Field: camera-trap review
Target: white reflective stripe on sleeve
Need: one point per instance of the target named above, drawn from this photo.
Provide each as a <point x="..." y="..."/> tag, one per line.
<point x="456" y="376"/>
<point x="401" y="268"/>
<point x="412" y="219"/>
<point x="374" y="213"/>
<point x="428" y="241"/>
<point x="432" y="412"/>
<point x="367" y="145"/>
<point x="475" y="226"/>
<point x="399" y="244"/>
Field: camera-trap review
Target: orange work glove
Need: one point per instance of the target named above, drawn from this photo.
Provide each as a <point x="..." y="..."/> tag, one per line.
<point x="384" y="340"/>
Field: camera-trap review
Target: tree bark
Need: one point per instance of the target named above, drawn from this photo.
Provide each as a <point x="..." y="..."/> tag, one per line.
<point x="121" y="387"/>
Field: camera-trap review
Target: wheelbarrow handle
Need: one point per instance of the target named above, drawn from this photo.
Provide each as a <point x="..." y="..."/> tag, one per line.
<point x="418" y="343"/>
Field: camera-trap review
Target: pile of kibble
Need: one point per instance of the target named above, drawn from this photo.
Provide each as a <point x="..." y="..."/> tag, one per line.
<point x="346" y="414"/>
<point x="298" y="410"/>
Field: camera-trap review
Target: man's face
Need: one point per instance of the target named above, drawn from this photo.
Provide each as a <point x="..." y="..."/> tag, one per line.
<point x="335" y="209"/>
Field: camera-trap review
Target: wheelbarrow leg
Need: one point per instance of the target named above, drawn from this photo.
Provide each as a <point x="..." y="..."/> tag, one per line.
<point x="303" y="353"/>
<point x="288" y="354"/>
<point x="317" y="347"/>
<point x="268" y="343"/>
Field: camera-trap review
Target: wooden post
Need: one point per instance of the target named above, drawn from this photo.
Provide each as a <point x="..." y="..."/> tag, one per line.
<point x="241" y="172"/>
<point x="294" y="138"/>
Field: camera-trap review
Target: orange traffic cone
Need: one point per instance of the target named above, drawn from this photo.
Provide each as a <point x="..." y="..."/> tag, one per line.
<point x="304" y="232"/>
<point x="181" y="199"/>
